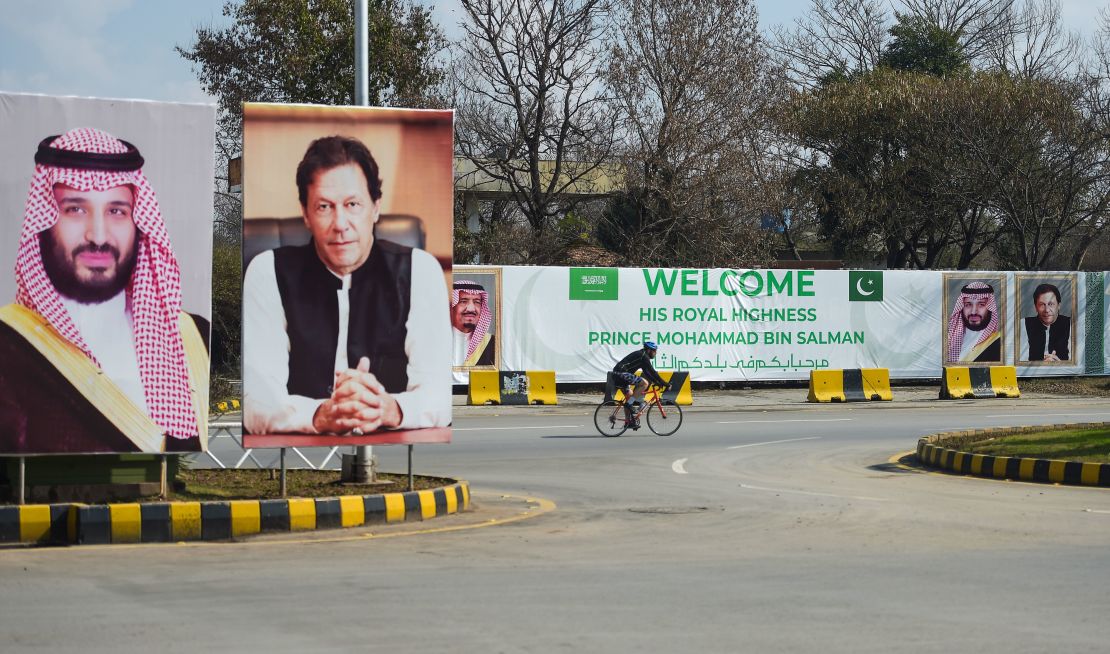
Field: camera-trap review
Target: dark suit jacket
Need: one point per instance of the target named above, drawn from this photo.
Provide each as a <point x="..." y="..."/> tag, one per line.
<point x="41" y="412"/>
<point x="1059" y="337"/>
<point x="992" y="353"/>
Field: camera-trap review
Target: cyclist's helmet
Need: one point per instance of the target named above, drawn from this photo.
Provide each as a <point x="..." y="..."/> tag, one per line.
<point x="650" y="345"/>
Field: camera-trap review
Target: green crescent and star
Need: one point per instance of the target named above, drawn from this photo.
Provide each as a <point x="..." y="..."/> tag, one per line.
<point x="865" y="286"/>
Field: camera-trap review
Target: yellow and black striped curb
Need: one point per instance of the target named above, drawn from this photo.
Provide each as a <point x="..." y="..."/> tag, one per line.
<point x="169" y="522"/>
<point x="944" y="451"/>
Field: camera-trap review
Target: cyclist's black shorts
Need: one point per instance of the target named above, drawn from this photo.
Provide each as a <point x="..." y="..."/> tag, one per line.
<point x="628" y="378"/>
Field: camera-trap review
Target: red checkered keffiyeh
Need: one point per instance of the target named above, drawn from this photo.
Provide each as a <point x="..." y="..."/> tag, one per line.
<point x="484" y="316"/>
<point x="154" y="293"/>
<point x="956" y="323"/>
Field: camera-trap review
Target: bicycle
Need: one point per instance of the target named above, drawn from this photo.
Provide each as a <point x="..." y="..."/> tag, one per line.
<point x="664" y="417"/>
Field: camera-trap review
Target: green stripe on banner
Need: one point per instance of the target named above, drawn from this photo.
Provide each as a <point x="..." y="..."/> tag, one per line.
<point x="1095" y="345"/>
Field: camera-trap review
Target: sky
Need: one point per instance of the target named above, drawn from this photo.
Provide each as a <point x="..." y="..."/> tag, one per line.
<point x="124" y="48"/>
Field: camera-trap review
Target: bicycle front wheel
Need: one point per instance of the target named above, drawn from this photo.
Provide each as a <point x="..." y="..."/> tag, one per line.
<point x="664" y="418"/>
<point x="609" y="418"/>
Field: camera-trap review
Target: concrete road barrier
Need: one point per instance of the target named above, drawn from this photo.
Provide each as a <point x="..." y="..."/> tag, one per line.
<point x="512" y="387"/>
<point x="680" y="392"/>
<point x="962" y="382"/>
<point x="852" y="385"/>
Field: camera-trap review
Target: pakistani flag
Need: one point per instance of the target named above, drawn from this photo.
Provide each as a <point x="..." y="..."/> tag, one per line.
<point x="865" y="286"/>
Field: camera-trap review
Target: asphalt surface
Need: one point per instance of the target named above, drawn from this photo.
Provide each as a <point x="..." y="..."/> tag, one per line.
<point x="765" y="525"/>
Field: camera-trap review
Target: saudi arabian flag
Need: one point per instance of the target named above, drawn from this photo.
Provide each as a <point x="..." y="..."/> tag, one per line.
<point x="865" y="286"/>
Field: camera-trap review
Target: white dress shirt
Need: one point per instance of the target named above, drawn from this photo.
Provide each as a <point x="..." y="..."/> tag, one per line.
<point x="970" y="338"/>
<point x="460" y="344"/>
<point x="106" y="329"/>
<point x="267" y="405"/>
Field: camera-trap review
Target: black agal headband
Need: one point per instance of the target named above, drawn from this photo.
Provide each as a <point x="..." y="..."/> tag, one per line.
<point x="112" y="162"/>
<point x="463" y="286"/>
<point x="984" y="289"/>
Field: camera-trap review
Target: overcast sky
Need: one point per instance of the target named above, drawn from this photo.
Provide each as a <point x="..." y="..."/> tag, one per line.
<point x="124" y="48"/>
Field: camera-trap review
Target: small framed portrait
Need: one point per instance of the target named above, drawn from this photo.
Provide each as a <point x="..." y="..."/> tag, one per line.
<point x="974" y="310"/>
<point x="476" y="319"/>
<point x="1045" y="314"/>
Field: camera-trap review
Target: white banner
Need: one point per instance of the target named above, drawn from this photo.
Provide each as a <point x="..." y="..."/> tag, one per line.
<point x="735" y="325"/>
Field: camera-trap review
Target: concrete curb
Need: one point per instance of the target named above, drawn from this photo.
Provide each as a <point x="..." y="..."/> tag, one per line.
<point x="169" y="522"/>
<point x="943" y="451"/>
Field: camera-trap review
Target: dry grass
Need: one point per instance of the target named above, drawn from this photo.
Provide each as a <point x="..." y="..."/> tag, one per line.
<point x="253" y="484"/>
<point x="1073" y="386"/>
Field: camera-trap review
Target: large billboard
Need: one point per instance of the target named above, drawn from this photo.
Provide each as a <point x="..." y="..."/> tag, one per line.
<point x="105" y="326"/>
<point x="736" y="325"/>
<point x="347" y="241"/>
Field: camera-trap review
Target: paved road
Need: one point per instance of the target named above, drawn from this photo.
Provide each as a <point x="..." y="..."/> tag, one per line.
<point x="774" y="527"/>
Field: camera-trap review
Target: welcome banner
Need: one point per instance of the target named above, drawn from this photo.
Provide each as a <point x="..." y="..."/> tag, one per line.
<point x="736" y="325"/>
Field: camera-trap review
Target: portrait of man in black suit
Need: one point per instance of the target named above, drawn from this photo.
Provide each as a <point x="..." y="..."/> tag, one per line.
<point x="1048" y="334"/>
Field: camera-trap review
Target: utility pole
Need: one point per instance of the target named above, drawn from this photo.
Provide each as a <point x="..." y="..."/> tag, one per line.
<point x="364" y="455"/>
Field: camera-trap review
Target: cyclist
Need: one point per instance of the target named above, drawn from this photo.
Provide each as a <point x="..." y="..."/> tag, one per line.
<point x="636" y="386"/>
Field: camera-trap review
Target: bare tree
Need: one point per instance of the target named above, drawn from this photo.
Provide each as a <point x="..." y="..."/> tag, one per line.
<point x="977" y="24"/>
<point x="695" y="88"/>
<point x="833" y="39"/>
<point x="1031" y="41"/>
<point x="531" y="115"/>
<point x="837" y="39"/>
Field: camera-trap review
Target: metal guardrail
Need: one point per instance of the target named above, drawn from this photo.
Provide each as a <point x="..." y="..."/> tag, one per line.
<point x="224" y="429"/>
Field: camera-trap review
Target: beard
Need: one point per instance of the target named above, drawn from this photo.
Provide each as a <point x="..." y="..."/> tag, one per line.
<point x="982" y="324"/>
<point x="61" y="268"/>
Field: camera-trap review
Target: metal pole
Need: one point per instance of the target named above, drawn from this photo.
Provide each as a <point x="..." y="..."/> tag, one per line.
<point x="412" y="486"/>
<point x="165" y="474"/>
<point x="362" y="53"/>
<point x="22" y="481"/>
<point x="283" y="486"/>
<point x="364" y="457"/>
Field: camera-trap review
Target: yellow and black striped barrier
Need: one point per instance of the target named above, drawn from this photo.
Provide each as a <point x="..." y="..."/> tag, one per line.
<point x="679" y="380"/>
<point x="852" y="385"/>
<point x="224" y="407"/>
<point x="962" y="382"/>
<point x="512" y="387"/>
<point x="167" y="522"/>
<point x="934" y="452"/>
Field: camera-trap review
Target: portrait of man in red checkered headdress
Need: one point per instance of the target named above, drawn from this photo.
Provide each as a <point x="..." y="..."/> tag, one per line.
<point x="97" y="354"/>
<point x="974" y="330"/>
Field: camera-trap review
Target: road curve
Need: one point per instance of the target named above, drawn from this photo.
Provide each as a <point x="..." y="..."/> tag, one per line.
<point x="758" y="530"/>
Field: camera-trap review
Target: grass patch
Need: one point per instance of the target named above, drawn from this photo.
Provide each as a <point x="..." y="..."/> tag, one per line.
<point x="254" y="484"/>
<point x="1086" y="445"/>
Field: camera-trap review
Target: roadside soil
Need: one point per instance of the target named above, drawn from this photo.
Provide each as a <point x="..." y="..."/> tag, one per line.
<point x="203" y="485"/>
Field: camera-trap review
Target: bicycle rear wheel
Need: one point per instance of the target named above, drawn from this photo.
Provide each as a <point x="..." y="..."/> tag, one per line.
<point x="666" y="419"/>
<point x="609" y="418"/>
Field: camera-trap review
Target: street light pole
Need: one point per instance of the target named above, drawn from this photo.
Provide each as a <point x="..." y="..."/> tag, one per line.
<point x="364" y="456"/>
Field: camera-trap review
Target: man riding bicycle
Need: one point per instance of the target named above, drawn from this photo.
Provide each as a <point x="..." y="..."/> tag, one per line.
<point x="634" y="385"/>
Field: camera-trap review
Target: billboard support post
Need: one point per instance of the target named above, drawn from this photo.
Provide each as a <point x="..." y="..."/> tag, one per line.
<point x="21" y="497"/>
<point x="284" y="486"/>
